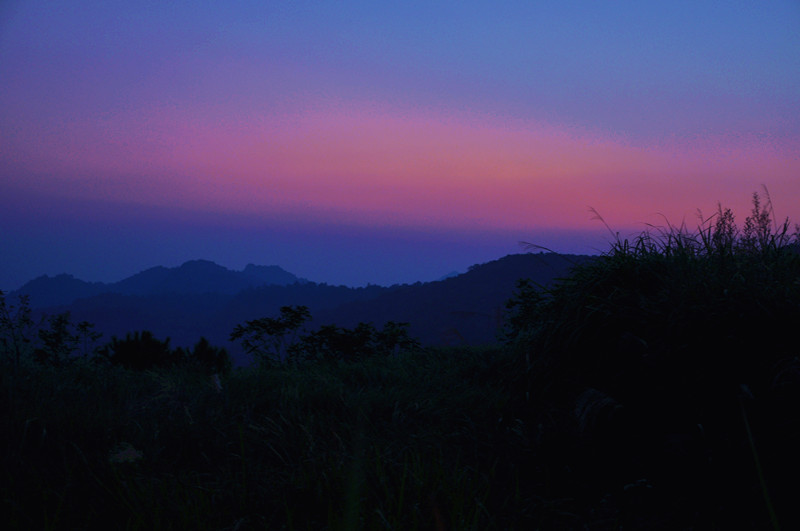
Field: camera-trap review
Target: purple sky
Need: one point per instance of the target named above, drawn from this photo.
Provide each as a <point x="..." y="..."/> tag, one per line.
<point x="355" y="143"/>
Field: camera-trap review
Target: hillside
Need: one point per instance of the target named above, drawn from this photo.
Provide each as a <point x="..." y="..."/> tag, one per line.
<point x="463" y="310"/>
<point x="203" y="299"/>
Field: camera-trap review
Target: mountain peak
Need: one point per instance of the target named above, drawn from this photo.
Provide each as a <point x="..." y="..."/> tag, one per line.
<point x="200" y="263"/>
<point x="192" y="277"/>
<point x="201" y="266"/>
<point x="59" y="290"/>
<point x="270" y="274"/>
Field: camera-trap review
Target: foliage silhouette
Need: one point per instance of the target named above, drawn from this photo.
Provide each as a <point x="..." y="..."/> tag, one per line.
<point x="210" y="359"/>
<point x="58" y="342"/>
<point x="331" y="342"/>
<point x="63" y="339"/>
<point x="280" y="339"/>
<point x="17" y="328"/>
<point x="141" y="351"/>
<point x="268" y="338"/>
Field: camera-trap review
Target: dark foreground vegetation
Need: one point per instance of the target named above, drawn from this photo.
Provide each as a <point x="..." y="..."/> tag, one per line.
<point x="656" y="387"/>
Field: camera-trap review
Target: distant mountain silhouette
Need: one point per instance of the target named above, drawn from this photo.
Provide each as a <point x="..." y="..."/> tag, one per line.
<point x="193" y="277"/>
<point x="449" y="275"/>
<point x="202" y="276"/>
<point x="59" y="290"/>
<point x="201" y="298"/>
<point x="270" y="275"/>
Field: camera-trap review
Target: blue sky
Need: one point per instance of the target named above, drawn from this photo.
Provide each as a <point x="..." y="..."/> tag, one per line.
<point x="357" y="142"/>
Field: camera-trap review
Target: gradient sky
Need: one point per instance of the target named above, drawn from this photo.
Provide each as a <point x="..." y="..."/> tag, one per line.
<point x="380" y="142"/>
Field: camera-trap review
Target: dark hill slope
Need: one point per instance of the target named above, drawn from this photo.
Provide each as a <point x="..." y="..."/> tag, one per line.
<point x="185" y="317"/>
<point x="45" y="291"/>
<point x="466" y="309"/>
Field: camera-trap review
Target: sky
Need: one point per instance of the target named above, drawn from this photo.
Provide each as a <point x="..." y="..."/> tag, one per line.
<point x="381" y="142"/>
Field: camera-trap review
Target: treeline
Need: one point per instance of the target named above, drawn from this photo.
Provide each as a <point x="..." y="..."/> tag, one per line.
<point x="57" y="341"/>
<point x="462" y="310"/>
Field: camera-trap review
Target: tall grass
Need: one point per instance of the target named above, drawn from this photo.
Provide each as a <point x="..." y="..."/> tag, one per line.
<point x="388" y="443"/>
<point x="637" y="363"/>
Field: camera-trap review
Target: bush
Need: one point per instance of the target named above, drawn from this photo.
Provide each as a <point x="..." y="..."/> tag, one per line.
<point x="208" y="358"/>
<point x="141" y="351"/>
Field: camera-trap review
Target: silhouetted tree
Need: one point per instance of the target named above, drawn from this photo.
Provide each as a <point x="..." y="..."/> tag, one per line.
<point x="17" y="328"/>
<point x="268" y="338"/>
<point x="23" y="337"/>
<point x="211" y="359"/>
<point x="394" y="337"/>
<point x="59" y="341"/>
<point x="278" y="339"/>
<point x="87" y="338"/>
<point x="335" y="343"/>
<point x="141" y="351"/>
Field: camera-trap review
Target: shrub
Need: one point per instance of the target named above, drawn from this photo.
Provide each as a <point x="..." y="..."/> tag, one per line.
<point x="210" y="359"/>
<point x="141" y="351"/>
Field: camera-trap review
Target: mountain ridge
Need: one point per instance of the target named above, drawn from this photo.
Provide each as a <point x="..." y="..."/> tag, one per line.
<point x="191" y="277"/>
<point x="466" y="309"/>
